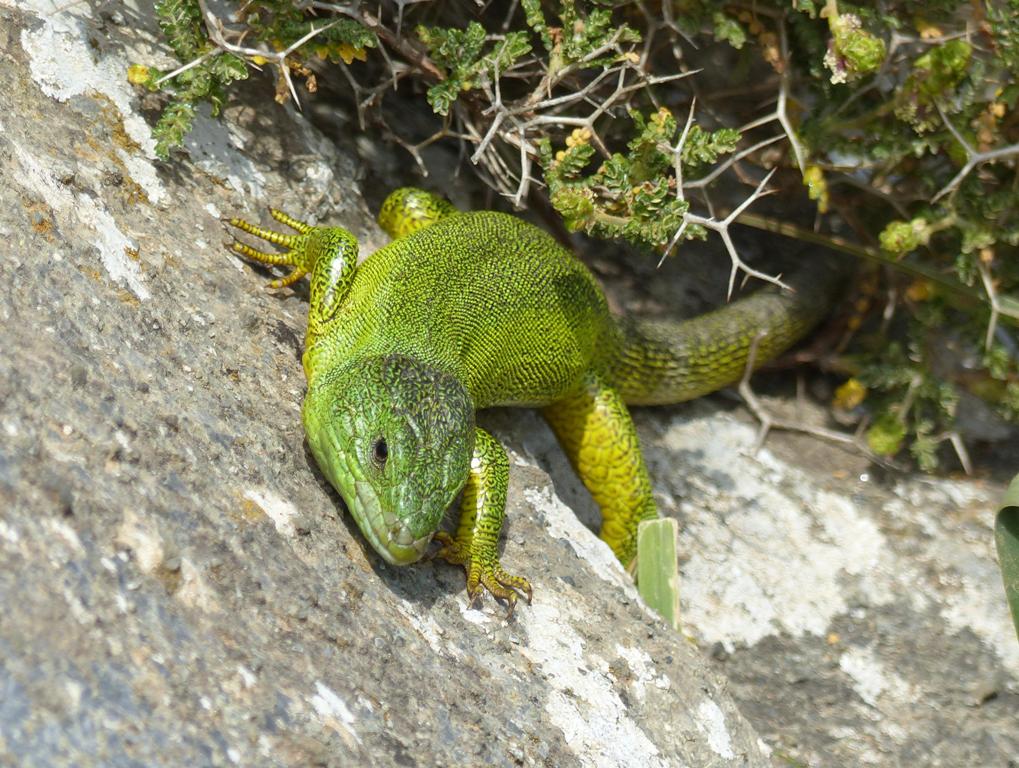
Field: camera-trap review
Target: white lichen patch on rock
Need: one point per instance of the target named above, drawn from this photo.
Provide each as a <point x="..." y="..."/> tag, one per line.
<point x="711" y="722"/>
<point x="773" y="551"/>
<point x="113" y="245"/>
<point x="144" y="175"/>
<point x="642" y="668"/>
<point x="969" y="592"/>
<point x="583" y="701"/>
<point x="279" y="510"/>
<point x="63" y="65"/>
<point x="898" y="584"/>
<point x="334" y="712"/>
<point x="429" y="629"/>
<point x="871" y="679"/>
<point x="217" y="149"/>
<point x="562" y="523"/>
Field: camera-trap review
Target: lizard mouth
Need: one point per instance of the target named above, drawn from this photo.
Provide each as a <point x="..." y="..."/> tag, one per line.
<point x="388" y="536"/>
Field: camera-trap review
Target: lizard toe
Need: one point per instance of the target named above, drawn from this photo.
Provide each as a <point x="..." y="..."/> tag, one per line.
<point x="451" y="550"/>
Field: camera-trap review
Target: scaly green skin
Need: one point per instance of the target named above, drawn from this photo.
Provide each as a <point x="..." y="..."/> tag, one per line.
<point x="464" y="311"/>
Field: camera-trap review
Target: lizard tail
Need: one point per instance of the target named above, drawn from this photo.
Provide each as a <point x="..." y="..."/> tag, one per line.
<point x="669" y="361"/>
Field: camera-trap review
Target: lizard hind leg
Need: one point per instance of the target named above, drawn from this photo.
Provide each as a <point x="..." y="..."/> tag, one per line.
<point x="596" y="432"/>
<point x="409" y="209"/>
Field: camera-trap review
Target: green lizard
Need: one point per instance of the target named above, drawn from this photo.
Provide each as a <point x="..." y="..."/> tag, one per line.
<point x="464" y="311"/>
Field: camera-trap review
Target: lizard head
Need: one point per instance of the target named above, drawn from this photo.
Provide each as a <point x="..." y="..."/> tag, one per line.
<point x="394" y="437"/>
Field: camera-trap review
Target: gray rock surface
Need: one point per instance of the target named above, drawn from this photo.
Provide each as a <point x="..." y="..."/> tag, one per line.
<point x="860" y="621"/>
<point x="180" y="586"/>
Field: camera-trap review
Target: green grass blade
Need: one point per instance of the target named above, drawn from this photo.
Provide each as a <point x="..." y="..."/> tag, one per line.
<point x="1006" y="537"/>
<point x="658" y="568"/>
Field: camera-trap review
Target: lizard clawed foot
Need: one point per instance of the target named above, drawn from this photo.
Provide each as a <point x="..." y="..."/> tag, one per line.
<point x="294" y="255"/>
<point x="483" y="572"/>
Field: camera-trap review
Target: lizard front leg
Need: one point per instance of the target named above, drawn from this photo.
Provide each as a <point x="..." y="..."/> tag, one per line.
<point x="328" y="254"/>
<point x="482" y="509"/>
<point x="597" y="434"/>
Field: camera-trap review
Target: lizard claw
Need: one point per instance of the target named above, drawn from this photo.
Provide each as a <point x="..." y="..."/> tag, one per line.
<point x="483" y="573"/>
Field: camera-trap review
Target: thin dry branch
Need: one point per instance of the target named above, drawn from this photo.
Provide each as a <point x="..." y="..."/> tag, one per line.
<point x="677" y="151"/>
<point x="769" y="422"/>
<point x="1007" y="306"/>
<point x="729" y="162"/>
<point x="974" y="158"/>
<point x="190" y="65"/>
<point x="781" y="111"/>
<point x="215" y="30"/>
<point x="722" y="228"/>
<point x="992" y="298"/>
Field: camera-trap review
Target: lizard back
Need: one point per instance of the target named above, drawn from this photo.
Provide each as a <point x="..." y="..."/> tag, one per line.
<point x="487" y="297"/>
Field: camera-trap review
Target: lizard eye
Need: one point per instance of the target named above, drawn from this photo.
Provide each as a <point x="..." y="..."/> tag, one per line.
<point x="380" y="452"/>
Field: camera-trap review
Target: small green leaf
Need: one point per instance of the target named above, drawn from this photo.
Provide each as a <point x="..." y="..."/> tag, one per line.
<point x="901" y="237"/>
<point x="226" y="68"/>
<point x="852" y="51"/>
<point x="573" y="160"/>
<point x="536" y="21"/>
<point x="172" y="126"/>
<point x="442" y="95"/>
<point x="658" y="567"/>
<point x="1006" y="537"/>
<point x="575" y="207"/>
<point x="729" y="30"/>
<point x="505" y="53"/>
<point x="925" y="450"/>
<point x="181" y="22"/>
<point x="704" y="147"/>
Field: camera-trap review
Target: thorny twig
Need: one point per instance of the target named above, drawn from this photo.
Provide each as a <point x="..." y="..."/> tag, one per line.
<point x="768" y="421"/>
<point x="515" y="123"/>
<point x="709" y="222"/>
<point x="992" y="297"/>
<point x="722" y="228"/>
<point x="190" y="65"/>
<point x="729" y="162"/>
<point x="214" y="28"/>
<point x="781" y="112"/>
<point x="974" y="158"/>
<point x="677" y="151"/>
<point x="1007" y="306"/>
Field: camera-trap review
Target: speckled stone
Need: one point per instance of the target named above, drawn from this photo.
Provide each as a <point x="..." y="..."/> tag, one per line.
<point x="179" y="585"/>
